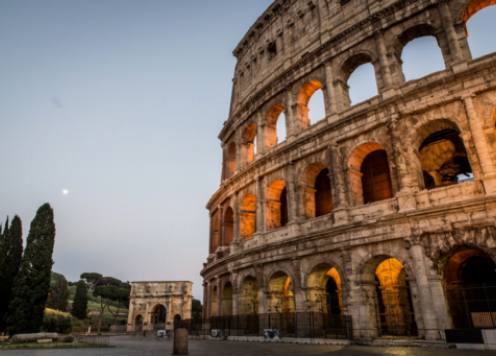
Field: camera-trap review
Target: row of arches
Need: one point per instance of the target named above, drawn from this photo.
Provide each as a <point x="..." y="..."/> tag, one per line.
<point x="419" y="50"/>
<point x="442" y="160"/>
<point x="388" y="288"/>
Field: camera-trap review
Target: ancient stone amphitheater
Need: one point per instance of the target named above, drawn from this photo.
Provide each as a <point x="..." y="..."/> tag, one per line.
<point x="378" y="219"/>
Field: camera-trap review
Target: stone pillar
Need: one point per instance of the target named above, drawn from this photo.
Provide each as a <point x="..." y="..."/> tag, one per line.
<point x="439" y="303"/>
<point x="260" y="190"/>
<point x="456" y="42"/>
<point x="488" y="169"/>
<point x="425" y="297"/>
<point x="261" y="126"/>
<point x="338" y="186"/>
<point x="363" y="310"/>
<point x="292" y="119"/>
<point x="337" y="91"/>
<point x="385" y="80"/>
<point x="292" y="194"/>
<point x="236" y="238"/>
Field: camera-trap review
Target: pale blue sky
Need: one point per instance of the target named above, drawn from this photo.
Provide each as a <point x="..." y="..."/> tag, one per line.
<point x="120" y="102"/>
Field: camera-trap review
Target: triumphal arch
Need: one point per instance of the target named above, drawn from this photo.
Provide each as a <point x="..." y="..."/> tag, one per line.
<point x="159" y="305"/>
<point x="377" y="218"/>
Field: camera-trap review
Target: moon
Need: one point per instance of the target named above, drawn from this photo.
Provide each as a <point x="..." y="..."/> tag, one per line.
<point x="65" y="191"/>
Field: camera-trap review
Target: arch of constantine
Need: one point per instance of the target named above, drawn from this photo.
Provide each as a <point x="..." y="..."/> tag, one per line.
<point x="380" y="215"/>
<point x="158" y="305"/>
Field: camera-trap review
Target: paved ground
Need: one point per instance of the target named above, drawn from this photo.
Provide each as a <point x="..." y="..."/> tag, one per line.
<point x="137" y="346"/>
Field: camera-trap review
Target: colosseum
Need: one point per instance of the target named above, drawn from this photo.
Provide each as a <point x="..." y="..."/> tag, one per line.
<point x="376" y="219"/>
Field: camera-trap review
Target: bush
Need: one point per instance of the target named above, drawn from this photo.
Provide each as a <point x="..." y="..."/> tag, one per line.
<point x="57" y="322"/>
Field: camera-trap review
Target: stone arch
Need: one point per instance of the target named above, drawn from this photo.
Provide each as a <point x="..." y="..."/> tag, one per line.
<point x="442" y="154"/>
<point x="215" y="226"/>
<point x="249" y="146"/>
<point x="273" y="117"/>
<point x="158" y="317"/>
<point x="230" y="163"/>
<point x="476" y="38"/>
<point x="369" y="173"/>
<point x="317" y="190"/>
<point x="387" y="290"/>
<point x="138" y="323"/>
<point x="228" y="226"/>
<point x="305" y="94"/>
<point x="248" y="216"/>
<point x="248" y="295"/>
<point x="276" y="199"/>
<point x="281" y="293"/>
<point x="414" y="33"/>
<point x="325" y="289"/>
<point x="227" y="299"/>
<point x="473" y="7"/>
<point x="349" y="67"/>
<point x="469" y="276"/>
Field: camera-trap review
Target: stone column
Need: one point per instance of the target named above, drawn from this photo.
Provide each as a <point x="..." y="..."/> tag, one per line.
<point x="338" y="186"/>
<point x="260" y="205"/>
<point x="455" y="43"/>
<point x="292" y="119"/>
<point x="363" y="310"/>
<point x="488" y="169"/>
<point x="236" y="233"/>
<point x="439" y="303"/>
<point x="385" y="79"/>
<point x="292" y="194"/>
<point x="261" y="125"/>
<point x="337" y="91"/>
<point x="425" y="297"/>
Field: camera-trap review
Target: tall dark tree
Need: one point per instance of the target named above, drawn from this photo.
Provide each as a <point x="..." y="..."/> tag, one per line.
<point x="80" y="305"/>
<point x="111" y="290"/>
<point x="10" y="260"/>
<point x="31" y="285"/>
<point x="58" y="295"/>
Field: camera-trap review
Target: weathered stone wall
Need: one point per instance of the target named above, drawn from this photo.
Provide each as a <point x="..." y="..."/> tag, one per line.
<point x="318" y="44"/>
<point x="146" y="297"/>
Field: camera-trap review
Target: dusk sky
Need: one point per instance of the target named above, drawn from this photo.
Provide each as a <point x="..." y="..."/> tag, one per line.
<point x="110" y="111"/>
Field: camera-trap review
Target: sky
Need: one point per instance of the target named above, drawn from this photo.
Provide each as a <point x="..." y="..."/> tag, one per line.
<point x="110" y="111"/>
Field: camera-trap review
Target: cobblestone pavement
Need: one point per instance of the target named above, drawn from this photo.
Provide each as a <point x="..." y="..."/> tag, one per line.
<point x="138" y="346"/>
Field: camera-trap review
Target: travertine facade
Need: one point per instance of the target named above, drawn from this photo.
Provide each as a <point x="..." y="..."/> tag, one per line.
<point x="156" y="305"/>
<point x="383" y="211"/>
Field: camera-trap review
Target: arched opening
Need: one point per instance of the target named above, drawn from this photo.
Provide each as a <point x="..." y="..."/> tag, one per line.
<point x="317" y="190"/>
<point x="277" y="205"/>
<point x="323" y="196"/>
<point x="230" y="160"/>
<point x="421" y="56"/>
<point x="311" y="104"/>
<point x="215" y="231"/>
<point x="281" y="303"/>
<point x="470" y="283"/>
<point x="214" y="302"/>
<point x="228" y="226"/>
<point x="227" y="299"/>
<point x="138" y="323"/>
<point x="248" y="216"/>
<point x="360" y="79"/>
<point x="275" y="130"/>
<point x="325" y="297"/>
<point x="159" y="315"/>
<point x="480" y="26"/>
<point x="370" y="177"/>
<point x="249" y="143"/>
<point x="443" y="156"/>
<point x="394" y="301"/>
<point x="248" y="305"/>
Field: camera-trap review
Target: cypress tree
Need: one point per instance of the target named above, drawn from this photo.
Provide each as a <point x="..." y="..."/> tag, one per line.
<point x="80" y="305"/>
<point x="29" y="295"/>
<point x="9" y="264"/>
<point x="58" y="294"/>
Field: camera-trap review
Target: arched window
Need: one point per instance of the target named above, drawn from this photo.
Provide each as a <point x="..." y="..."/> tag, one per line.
<point x="443" y="156"/>
<point x="362" y="84"/>
<point x="227" y="299"/>
<point x="159" y="314"/>
<point x="370" y="178"/>
<point x="376" y="181"/>
<point x="228" y="226"/>
<point x="275" y="130"/>
<point x="277" y="205"/>
<point x="215" y="231"/>
<point x="325" y="292"/>
<point x="479" y="19"/>
<point x="422" y="56"/>
<point x="323" y="197"/>
<point x="249" y="143"/>
<point x="230" y="160"/>
<point x="248" y="216"/>
<point x="311" y="104"/>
